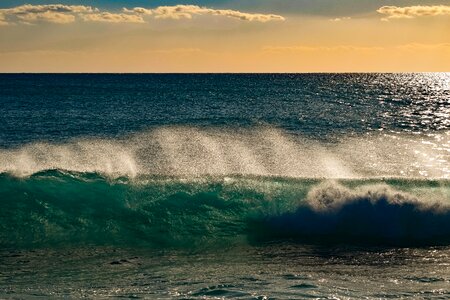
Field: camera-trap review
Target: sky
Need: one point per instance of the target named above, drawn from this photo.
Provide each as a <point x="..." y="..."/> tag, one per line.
<point x="225" y="36"/>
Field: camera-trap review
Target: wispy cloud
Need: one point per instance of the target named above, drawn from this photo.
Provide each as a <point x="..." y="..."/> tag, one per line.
<point x="188" y="11"/>
<point x="294" y="49"/>
<point x="350" y="48"/>
<point x="63" y="14"/>
<point x="340" y="19"/>
<point x="418" y="46"/>
<point x="113" y="18"/>
<point x="395" y="12"/>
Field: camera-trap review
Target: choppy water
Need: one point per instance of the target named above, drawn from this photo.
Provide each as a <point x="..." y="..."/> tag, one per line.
<point x="225" y="186"/>
<point x="273" y="271"/>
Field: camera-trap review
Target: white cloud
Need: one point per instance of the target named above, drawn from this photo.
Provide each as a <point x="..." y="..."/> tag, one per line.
<point x="59" y="8"/>
<point x="51" y="13"/>
<point x="48" y="16"/>
<point x="61" y="14"/>
<point x="112" y="18"/>
<point x="395" y="12"/>
<point x="177" y="12"/>
<point x="138" y="10"/>
<point x="340" y="19"/>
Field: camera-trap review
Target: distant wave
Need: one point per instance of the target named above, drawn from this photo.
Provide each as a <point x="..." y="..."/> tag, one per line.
<point x="59" y="207"/>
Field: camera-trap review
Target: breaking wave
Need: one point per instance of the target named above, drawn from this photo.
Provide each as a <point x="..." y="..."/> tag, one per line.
<point x="370" y="214"/>
<point x="64" y="208"/>
<point x="190" y="186"/>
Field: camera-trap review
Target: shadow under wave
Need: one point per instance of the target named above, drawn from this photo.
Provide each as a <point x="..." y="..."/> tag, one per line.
<point x="374" y="215"/>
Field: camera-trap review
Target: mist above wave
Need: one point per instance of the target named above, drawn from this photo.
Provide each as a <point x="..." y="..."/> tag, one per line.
<point x="266" y="151"/>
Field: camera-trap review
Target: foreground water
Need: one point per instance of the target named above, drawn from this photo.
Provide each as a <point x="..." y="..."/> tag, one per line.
<point x="270" y="271"/>
<point x="225" y="186"/>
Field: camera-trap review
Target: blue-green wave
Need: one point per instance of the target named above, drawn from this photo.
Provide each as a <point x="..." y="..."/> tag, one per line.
<point x="53" y="208"/>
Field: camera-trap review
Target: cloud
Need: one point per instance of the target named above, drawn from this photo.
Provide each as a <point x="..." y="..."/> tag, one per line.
<point x="138" y="10"/>
<point x="177" y="51"/>
<point x="51" y="13"/>
<point x="48" y="16"/>
<point x="340" y="19"/>
<point x="421" y="47"/>
<point x="293" y="49"/>
<point x="3" y="20"/>
<point x="59" y="8"/>
<point x="63" y="14"/>
<point x="178" y="12"/>
<point x="349" y="48"/>
<point x="113" y="18"/>
<point x="409" y="12"/>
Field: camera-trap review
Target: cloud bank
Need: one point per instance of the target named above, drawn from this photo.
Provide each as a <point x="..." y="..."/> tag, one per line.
<point x="63" y="14"/>
<point x="188" y="11"/>
<point x="409" y="12"/>
<point x="51" y="13"/>
<point x="112" y="18"/>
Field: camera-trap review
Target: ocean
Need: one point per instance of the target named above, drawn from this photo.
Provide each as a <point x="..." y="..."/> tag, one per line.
<point x="225" y="186"/>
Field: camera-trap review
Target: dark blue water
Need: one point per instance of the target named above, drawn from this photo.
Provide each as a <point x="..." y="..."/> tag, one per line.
<point x="38" y="107"/>
<point x="206" y="186"/>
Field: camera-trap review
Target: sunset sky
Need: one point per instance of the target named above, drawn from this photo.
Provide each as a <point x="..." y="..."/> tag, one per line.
<point x="224" y="36"/>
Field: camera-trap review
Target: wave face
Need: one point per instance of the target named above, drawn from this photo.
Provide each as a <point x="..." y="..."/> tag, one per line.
<point x="65" y="208"/>
<point x="370" y="214"/>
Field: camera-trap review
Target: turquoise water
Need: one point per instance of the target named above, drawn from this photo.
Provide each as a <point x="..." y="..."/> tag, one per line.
<point x="61" y="208"/>
<point x="264" y="186"/>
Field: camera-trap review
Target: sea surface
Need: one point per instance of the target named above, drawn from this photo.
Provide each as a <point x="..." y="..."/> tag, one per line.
<point x="225" y="186"/>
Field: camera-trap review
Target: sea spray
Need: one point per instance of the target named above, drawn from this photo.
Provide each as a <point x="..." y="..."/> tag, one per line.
<point x="262" y="150"/>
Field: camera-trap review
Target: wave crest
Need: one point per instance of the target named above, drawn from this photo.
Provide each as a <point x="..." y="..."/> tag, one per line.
<point x="330" y="197"/>
<point x="368" y="214"/>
